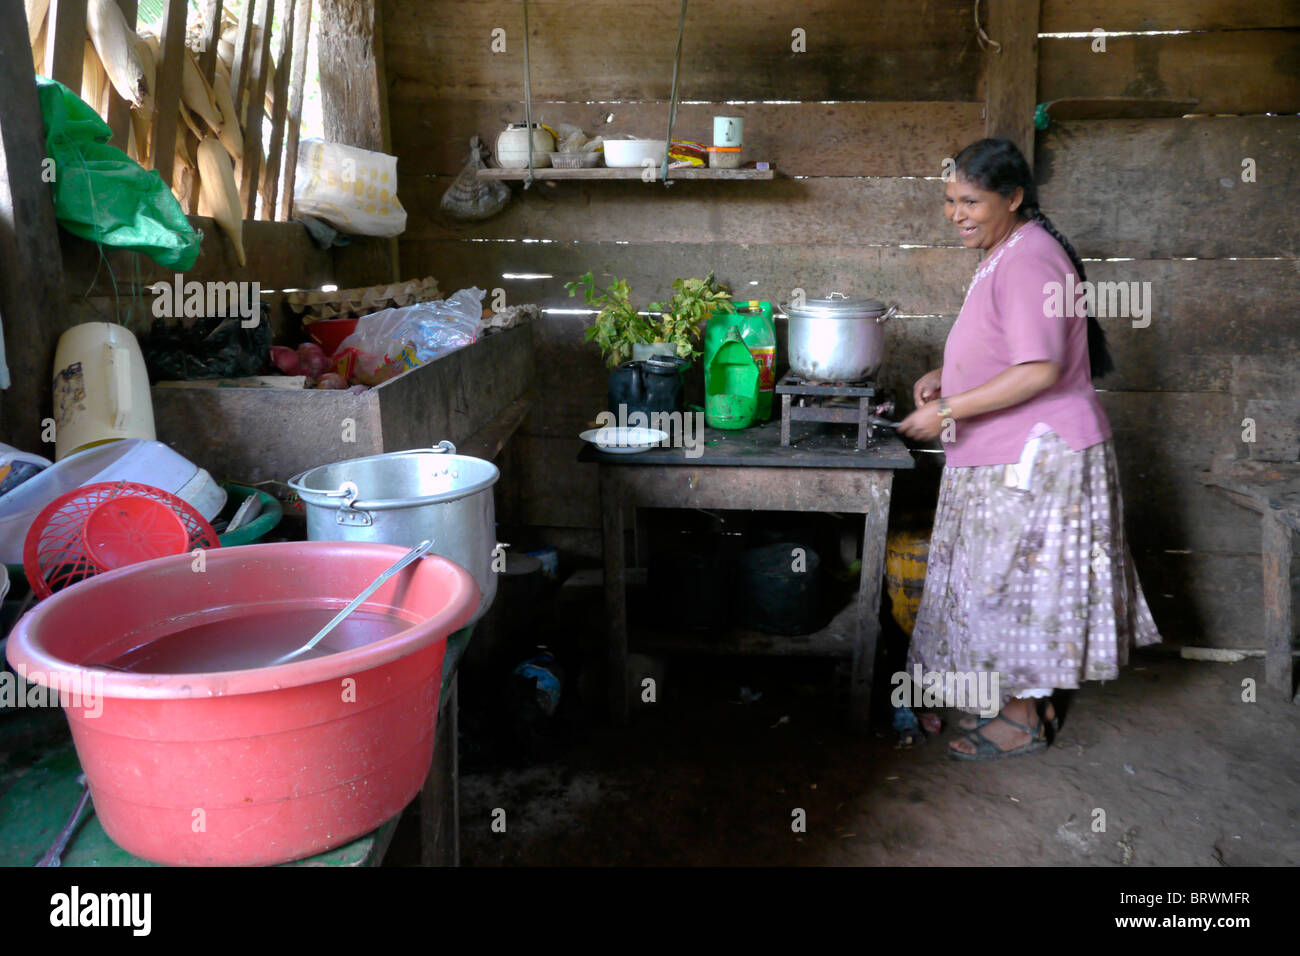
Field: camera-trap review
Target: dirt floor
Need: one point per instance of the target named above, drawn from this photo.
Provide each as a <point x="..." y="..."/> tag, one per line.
<point x="1185" y="772"/>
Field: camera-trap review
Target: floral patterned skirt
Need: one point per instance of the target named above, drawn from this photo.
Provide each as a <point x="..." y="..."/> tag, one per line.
<point x="1037" y="585"/>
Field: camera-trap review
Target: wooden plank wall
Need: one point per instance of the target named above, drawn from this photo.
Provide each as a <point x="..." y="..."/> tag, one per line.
<point x="1166" y="198"/>
<point x="882" y="93"/>
<point x="859" y="125"/>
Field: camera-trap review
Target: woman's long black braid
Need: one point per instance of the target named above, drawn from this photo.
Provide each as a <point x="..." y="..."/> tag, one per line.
<point x="998" y="166"/>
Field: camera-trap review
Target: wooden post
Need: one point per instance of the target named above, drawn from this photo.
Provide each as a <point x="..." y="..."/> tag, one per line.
<point x="211" y="38"/>
<point x="1012" y="72"/>
<point x="259" y="56"/>
<point x="301" y="36"/>
<point x="1275" y="555"/>
<point x="875" y="531"/>
<point x="611" y="516"/>
<point x="65" y="42"/>
<point x="32" y="303"/>
<point x="119" y="110"/>
<point x="354" y="103"/>
<point x="166" y="114"/>
<point x="284" y="15"/>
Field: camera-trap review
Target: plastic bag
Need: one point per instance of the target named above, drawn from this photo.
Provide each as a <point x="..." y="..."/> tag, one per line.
<point x="104" y="195"/>
<point x="353" y="189"/>
<point x="469" y="198"/>
<point x="211" y="347"/>
<point x="389" y="342"/>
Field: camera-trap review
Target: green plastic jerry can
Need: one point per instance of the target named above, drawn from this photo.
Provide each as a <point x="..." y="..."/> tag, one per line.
<point x="731" y="384"/>
<point x="757" y="330"/>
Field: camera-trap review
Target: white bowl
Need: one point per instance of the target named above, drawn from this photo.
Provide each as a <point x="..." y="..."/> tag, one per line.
<point x="624" y="441"/>
<point x="623" y="153"/>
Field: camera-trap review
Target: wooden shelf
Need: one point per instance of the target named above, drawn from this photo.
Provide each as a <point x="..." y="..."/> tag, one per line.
<point x="629" y="173"/>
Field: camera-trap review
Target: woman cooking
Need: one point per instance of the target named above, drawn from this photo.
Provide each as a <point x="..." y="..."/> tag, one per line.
<point x="1029" y="576"/>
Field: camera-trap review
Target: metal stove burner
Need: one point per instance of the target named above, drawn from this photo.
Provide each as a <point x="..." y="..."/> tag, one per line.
<point x="846" y="403"/>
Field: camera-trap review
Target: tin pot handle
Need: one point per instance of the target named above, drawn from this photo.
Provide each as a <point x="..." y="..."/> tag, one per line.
<point x="444" y="448"/>
<point x="348" y="491"/>
<point x="889" y="314"/>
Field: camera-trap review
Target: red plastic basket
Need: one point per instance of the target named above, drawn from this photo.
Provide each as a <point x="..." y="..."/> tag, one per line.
<point x="103" y="526"/>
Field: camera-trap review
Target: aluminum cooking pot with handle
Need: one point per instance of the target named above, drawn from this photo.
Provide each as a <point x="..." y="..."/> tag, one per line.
<point x="837" y="338"/>
<point x="403" y="498"/>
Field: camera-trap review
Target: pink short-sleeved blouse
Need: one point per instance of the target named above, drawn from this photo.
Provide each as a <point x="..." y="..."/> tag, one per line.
<point x="1009" y="318"/>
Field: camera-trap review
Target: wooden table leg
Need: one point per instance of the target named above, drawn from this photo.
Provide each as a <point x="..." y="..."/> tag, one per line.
<point x="874" y="532"/>
<point x="1275" y="553"/>
<point x="611" y="520"/>
<point x="440" y="796"/>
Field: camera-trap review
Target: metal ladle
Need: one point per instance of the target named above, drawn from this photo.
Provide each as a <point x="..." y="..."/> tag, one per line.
<point x="419" y="551"/>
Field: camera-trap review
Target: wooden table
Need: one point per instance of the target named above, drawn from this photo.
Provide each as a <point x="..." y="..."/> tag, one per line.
<point x="1273" y="490"/>
<point x="749" y="469"/>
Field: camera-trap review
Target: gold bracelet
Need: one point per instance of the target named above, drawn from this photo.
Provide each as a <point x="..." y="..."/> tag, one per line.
<point x="944" y="410"/>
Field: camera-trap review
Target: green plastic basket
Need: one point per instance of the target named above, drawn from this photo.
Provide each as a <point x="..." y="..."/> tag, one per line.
<point x="260" y="526"/>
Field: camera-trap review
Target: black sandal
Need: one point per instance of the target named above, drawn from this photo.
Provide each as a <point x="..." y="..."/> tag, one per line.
<point x="986" y="749"/>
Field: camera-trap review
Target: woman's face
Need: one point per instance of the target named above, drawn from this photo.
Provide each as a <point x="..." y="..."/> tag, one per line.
<point x="983" y="218"/>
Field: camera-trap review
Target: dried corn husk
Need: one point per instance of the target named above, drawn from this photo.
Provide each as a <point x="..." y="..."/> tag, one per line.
<point x="37" y="13"/>
<point x="115" y="44"/>
<point x="191" y="123"/>
<point x="94" y="81"/>
<point x="230" y="134"/>
<point x="142" y="115"/>
<point x="149" y="67"/>
<point x="197" y="94"/>
<point x="218" y="190"/>
<point x="185" y="180"/>
<point x="38" y="49"/>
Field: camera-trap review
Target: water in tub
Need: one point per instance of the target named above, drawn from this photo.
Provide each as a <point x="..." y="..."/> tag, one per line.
<point x="249" y="642"/>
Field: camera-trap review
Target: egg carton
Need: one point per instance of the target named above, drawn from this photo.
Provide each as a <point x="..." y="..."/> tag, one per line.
<point x="351" y="303"/>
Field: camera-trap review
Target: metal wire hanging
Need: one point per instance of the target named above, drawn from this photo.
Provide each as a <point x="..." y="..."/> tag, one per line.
<point x="672" y="103"/>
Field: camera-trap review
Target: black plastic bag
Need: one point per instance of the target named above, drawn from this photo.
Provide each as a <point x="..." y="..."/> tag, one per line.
<point x="211" y="347"/>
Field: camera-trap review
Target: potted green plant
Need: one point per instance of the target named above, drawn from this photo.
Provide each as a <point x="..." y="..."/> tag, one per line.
<point x="623" y="333"/>
<point x="618" y="325"/>
<point x="682" y="317"/>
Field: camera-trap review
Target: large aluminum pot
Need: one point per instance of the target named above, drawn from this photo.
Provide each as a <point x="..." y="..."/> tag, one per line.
<point x="837" y="338"/>
<point x="405" y="497"/>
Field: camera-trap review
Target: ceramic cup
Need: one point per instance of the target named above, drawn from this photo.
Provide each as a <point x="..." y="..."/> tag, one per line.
<point x="728" y="130"/>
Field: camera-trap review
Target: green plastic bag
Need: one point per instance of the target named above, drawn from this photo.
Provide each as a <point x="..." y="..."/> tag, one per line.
<point x="101" y="193"/>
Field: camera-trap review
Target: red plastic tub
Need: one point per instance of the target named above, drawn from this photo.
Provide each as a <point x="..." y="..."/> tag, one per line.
<point x="252" y="766"/>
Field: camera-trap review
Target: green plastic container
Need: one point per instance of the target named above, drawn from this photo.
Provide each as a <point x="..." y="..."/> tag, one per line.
<point x="731" y="384"/>
<point x="260" y="526"/>
<point x="758" y="331"/>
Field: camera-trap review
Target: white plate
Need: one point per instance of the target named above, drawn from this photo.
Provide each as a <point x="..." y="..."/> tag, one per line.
<point x="624" y="441"/>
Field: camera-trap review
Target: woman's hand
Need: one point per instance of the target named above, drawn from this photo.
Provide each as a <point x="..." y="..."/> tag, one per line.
<point x="927" y="387"/>
<point x="924" y="423"/>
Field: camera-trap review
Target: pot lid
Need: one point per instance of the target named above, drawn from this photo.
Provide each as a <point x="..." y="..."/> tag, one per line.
<point x="837" y="305"/>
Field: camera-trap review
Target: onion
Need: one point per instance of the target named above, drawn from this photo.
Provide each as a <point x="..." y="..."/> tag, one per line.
<point x="332" y="380"/>
<point x="285" y="359"/>
<point x="312" y="360"/>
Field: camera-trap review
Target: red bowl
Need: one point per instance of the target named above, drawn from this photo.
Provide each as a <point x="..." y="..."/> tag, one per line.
<point x="128" y="530"/>
<point x="330" y="333"/>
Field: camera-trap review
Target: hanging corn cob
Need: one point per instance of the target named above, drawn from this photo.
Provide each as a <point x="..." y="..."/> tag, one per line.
<point x="230" y="134"/>
<point x="115" y="44"/>
<point x="197" y="94"/>
<point x="218" y="191"/>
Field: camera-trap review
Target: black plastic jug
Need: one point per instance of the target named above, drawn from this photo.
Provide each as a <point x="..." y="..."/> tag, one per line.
<point x="655" y="385"/>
